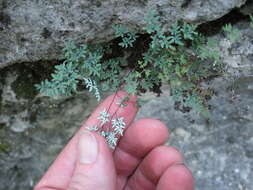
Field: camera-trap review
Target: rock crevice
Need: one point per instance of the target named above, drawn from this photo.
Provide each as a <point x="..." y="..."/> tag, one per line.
<point x="36" y="30"/>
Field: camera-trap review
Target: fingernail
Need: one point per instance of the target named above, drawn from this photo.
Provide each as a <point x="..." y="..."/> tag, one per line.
<point x="88" y="148"/>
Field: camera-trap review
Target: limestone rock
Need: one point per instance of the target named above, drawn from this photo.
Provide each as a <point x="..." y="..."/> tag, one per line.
<point x="220" y="148"/>
<point x="36" y="30"/>
<point x="247" y="8"/>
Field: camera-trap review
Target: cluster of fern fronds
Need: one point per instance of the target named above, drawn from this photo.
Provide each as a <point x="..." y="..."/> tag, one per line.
<point x="178" y="56"/>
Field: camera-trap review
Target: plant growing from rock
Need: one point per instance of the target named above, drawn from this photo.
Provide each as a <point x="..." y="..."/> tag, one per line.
<point x="233" y="34"/>
<point x="178" y="56"/>
<point x="251" y="21"/>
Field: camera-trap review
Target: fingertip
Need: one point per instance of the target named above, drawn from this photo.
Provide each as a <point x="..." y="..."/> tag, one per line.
<point x="143" y="135"/>
<point x="152" y="129"/>
<point x="154" y="123"/>
<point x="170" y="154"/>
<point x="152" y="168"/>
<point x="176" y="177"/>
<point x="158" y="160"/>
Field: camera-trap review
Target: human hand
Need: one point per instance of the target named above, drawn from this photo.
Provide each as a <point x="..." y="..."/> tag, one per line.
<point x="139" y="162"/>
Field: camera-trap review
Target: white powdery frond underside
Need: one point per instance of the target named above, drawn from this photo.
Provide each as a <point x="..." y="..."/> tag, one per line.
<point x="118" y="125"/>
<point x="111" y="135"/>
<point x="104" y="117"/>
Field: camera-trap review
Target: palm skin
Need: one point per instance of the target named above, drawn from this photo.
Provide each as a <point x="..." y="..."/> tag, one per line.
<point x="139" y="162"/>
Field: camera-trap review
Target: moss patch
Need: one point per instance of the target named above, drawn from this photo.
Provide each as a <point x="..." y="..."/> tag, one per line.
<point x="28" y="76"/>
<point x="1" y="91"/>
<point x="4" y="146"/>
<point x="24" y="86"/>
<point x="2" y="132"/>
<point x="2" y="75"/>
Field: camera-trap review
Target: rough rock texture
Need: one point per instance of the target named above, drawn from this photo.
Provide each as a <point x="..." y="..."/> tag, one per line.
<point x="36" y="30"/>
<point x="247" y="8"/>
<point x="219" y="151"/>
<point x="33" y="129"/>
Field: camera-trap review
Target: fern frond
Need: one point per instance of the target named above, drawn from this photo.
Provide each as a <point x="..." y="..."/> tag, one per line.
<point x="92" y="86"/>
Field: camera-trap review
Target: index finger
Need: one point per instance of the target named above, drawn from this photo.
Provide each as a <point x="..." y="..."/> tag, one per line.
<point x="60" y="172"/>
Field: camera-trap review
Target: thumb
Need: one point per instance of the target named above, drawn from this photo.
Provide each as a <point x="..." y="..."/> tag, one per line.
<point x="94" y="165"/>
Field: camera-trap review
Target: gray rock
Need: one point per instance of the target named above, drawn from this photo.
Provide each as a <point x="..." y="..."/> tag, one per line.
<point x="219" y="151"/>
<point x="247" y="8"/>
<point x="36" y="30"/>
<point x="33" y="130"/>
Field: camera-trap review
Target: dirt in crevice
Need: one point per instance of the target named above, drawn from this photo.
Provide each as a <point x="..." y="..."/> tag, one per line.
<point x="214" y="27"/>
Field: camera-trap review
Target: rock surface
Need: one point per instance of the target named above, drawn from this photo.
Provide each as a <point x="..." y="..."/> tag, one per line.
<point x="34" y="129"/>
<point x="219" y="152"/>
<point x="36" y="30"/>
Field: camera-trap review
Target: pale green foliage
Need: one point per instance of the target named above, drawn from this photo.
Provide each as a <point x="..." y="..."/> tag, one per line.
<point x="153" y="22"/>
<point x="131" y="84"/>
<point x="251" y="21"/>
<point x="128" y="37"/>
<point x="189" y="31"/>
<point x="179" y="56"/>
<point x="168" y="59"/>
<point x="232" y="33"/>
<point x="82" y="66"/>
<point x="209" y="51"/>
<point x="64" y="81"/>
<point x="4" y="147"/>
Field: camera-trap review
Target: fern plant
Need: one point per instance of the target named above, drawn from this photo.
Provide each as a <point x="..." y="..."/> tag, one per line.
<point x="233" y="33"/>
<point x="128" y="37"/>
<point x="179" y="56"/>
<point x="251" y="21"/>
<point x="82" y="66"/>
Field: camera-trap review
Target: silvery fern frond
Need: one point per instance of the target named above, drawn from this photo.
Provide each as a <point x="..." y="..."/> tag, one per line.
<point x="112" y="139"/>
<point x="104" y="117"/>
<point x="92" y="128"/>
<point x="92" y="86"/>
<point x="118" y="125"/>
